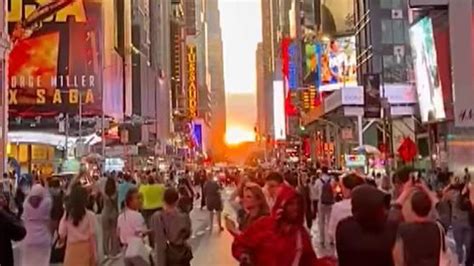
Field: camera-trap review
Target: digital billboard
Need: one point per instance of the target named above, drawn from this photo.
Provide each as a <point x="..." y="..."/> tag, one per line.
<point x="428" y="84"/>
<point x="293" y="66"/>
<point x="279" y="122"/>
<point x="337" y="63"/>
<point x="55" y="62"/>
<point x="337" y="16"/>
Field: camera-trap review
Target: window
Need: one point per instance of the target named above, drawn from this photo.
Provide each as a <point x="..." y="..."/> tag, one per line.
<point x="387" y="67"/>
<point x="390" y="4"/>
<point x="394" y="31"/>
<point x="398" y="32"/>
<point x="387" y="33"/>
<point x="386" y="4"/>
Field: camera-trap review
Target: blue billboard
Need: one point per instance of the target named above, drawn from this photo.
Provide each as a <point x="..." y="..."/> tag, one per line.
<point x="293" y="66"/>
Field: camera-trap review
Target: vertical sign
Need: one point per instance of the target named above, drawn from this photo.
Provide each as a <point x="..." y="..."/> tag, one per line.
<point x="293" y="66"/>
<point x="372" y="95"/>
<point x="192" y="81"/>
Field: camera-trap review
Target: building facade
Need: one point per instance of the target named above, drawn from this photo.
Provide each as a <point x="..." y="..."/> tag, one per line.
<point x="215" y="70"/>
<point x="4" y="47"/>
<point x="262" y="112"/>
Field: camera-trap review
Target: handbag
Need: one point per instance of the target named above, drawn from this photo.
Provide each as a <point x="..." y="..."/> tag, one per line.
<point x="446" y="255"/>
<point x="176" y="254"/>
<point x="57" y="252"/>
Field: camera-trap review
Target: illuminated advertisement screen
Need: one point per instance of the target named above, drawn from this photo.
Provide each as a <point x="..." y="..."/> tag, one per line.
<point x="428" y="85"/>
<point x="55" y="62"/>
<point x="197" y="135"/>
<point x="293" y="66"/>
<point x="337" y="64"/>
<point x="279" y="123"/>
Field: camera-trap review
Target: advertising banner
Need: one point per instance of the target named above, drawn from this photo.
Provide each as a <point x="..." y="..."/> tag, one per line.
<point x="372" y="95"/>
<point x="337" y="17"/>
<point x="293" y="66"/>
<point x="337" y="63"/>
<point x="55" y="62"/>
<point x="192" y="81"/>
<point x="428" y="84"/>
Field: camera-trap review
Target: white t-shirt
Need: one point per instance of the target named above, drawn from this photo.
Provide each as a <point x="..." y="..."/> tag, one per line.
<point x="130" y="224"/>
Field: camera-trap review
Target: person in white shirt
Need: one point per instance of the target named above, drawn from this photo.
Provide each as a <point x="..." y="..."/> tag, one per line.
<point x="130" y="223"/>
<point x="325" y="194"/>
<point x="313" y="195"/>
<point x="273" y="183"/>
<point x="343" y="209"/>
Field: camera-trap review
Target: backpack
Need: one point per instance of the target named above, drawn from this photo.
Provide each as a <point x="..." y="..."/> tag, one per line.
<point x="327" y="194"/>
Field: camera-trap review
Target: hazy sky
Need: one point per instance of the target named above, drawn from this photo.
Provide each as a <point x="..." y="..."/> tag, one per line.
<point x="241" y="31"/>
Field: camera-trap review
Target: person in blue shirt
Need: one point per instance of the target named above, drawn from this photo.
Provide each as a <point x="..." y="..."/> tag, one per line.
<point x="123" y="188"/>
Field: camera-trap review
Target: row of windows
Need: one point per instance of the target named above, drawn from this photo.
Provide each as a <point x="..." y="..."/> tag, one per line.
<point x="391" y="4"/>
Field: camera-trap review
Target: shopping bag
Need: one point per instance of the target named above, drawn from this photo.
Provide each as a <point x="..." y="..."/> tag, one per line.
<point x="446" y="255"/>
<point x="138" y="252"/>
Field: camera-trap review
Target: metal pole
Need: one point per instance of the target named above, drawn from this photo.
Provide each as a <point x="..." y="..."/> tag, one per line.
<point x="80" y="116"/>
<point x="360" y="130"/>
<point x="66" y="149"/>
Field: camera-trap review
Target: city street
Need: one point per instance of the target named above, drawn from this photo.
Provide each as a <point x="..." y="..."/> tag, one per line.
<point x="209" y="248"/>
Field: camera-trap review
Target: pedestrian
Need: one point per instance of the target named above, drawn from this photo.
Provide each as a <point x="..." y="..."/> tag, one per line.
<point x="419" y="242"/>
<point x="273" y="182"/>
<point x="152" y="193"/>
<point x="36" y="247"/>
<point x="202" y="181"/>
<point x="11" y="229"/>
<point x="366" y="238"/>
<point x="279" y="239"/>
<point x="186" y="195"/>
<point x="236" y="200"/>
<point x="109" y="218"/>
<point x="314" y="195"/>
<point x="130" y="223"/>
<point x="305" y="193"/>
<point x="57" y="196"/>
<point x="325" y="194"/>
<point x="212" y="193"/>
<point x="123" y="189"/>
<point x="457" y="194"/>
<point x="254" y="205"/>
<point x="343" y="209"/>
<point x="171" y="229"/>
<point x="77" y="229"/>
<point x="467" y="176"/>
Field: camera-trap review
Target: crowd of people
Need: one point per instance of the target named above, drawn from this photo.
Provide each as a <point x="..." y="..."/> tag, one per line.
<point x="144" y="220"/>
<point x="403" y="220"/>
<point x="407" y="219"/>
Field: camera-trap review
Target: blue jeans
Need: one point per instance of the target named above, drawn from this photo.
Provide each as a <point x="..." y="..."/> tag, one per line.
<point x="462" y="237"/>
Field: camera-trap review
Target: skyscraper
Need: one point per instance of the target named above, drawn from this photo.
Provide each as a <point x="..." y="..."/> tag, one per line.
<point x="261" y="107"/>
<point x="215" y="70"/>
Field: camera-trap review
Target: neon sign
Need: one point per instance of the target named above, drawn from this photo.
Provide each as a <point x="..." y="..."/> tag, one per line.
<point x="192" y="81"/>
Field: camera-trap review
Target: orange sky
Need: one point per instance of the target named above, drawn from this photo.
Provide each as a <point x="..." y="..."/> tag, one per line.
<point x="240" y="38"/>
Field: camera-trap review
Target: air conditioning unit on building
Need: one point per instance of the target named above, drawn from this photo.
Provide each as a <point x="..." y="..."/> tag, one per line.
<point x="397" y="14"/>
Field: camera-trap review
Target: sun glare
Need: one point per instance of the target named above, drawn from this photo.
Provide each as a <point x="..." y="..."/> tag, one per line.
<point x="235" y="136"/>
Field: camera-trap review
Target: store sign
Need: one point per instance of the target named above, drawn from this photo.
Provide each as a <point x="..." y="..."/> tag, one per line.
<point x="55" y="62"/>
<point x="293" y="66"/>
<point x="192" y="81"/>
<point x="400" y="94"/>
<point x="349" y="96"/>
<point x="352" y="160"/>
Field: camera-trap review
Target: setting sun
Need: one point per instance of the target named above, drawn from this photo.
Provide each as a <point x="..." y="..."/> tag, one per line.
<point x="235" y="136"/>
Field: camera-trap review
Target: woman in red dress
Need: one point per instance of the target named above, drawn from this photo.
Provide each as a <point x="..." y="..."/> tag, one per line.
<point x="279" y="239"/>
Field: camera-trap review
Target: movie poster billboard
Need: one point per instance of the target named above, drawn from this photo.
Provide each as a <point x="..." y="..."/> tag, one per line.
<point x="55" y="62"/>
